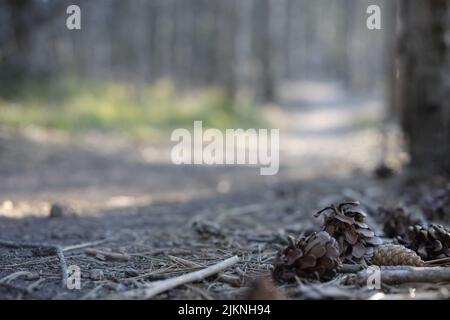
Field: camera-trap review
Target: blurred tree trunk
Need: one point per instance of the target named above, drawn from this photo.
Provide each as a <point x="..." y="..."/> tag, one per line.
<point x="264" y="50"/>
<point x="20" y="29"/>
<point x="424" y="57"/>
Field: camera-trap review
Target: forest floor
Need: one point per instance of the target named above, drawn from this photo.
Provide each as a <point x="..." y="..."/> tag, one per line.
<point x="168" y="220"/>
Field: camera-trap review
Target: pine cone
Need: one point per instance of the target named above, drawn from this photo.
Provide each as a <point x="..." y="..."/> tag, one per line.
<point x="432" y="242"/>
<point x="395" y="255"/>
<point x="314" y="256"/>
<point x="397" y="222"/>
<point x="346" y="224"/>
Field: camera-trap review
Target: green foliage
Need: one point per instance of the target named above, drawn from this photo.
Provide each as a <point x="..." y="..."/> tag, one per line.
<point x="139" y="110"/>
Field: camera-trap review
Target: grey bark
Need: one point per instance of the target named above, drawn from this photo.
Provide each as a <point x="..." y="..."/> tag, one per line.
<point x="424" y="59"/>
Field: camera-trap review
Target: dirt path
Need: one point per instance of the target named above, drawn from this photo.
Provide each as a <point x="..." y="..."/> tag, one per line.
<point x="324" y="133"/>
<point x="131" y="195"/>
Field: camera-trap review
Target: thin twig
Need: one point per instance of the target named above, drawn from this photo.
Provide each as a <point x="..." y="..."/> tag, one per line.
<point x="106" y="255"/>
<point x="438" y="261"/>
<point x="83" y="245"/>
<point x="231" y="280"/>
<point x="158" y="287"/>
<point x="350" y="268"/>
<point x="55" y="249"/>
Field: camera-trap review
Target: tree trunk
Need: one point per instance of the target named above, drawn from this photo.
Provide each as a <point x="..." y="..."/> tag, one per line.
<point x="424" y="57"/>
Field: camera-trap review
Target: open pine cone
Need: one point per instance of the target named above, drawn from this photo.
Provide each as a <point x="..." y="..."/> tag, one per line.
<point x="314" y="256"/>
<point x="397" y="221"/>
<point x="346" y="224"/>
<point x="432" y="242"/>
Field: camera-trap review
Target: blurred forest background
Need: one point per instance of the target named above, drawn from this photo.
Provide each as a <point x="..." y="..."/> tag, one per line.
<point x="136" y="64"/>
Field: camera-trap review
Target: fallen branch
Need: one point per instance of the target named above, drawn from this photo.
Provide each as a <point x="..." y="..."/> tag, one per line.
<point x="231" y="280"/>
<point x="83" y="245"/>
<point x="350" y="268"/>
<point x="404" y="274"/>
<point x="158" y="287"/>
<point x="437" y="262"/>
<point x="106" y="255"/>
<point x="53" y="249"/>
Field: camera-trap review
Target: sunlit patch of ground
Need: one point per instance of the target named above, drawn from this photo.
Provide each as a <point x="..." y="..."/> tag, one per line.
<point x="139" y="111"/>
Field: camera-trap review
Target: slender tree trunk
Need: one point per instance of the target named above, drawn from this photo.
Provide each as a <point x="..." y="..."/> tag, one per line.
<point x="264" y="50"/>
<point x="424" y="77"/>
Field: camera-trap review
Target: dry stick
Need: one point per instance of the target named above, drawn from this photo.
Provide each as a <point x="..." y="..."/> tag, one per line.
<point x="102" y="255"/>
<point x="83" y="245"/>
<point x="157" y="287"/>
<point x="350" y="268"/>
<point x="185" y="262"/>
<point x="403" y="274"/>
<point x="57" y="250"/>
<point x="353" y="268"/>
<point x="437" y="261"/>
<point x="231" y="280"/>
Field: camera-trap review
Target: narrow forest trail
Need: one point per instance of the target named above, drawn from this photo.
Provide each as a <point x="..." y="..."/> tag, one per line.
<point x="323" y="133"/>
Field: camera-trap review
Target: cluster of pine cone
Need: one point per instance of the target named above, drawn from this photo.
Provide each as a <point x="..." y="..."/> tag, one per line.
<point x="432" y="242"/>
<point x="345" y="237"/>
<point x="429" y="242"/>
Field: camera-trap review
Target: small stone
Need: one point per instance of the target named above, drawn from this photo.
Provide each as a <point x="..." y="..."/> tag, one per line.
<point x="130" y="272"/>
<point x="383" y="171"/>
<point x="32" y="276"/>
<point x="59" y="211"/>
